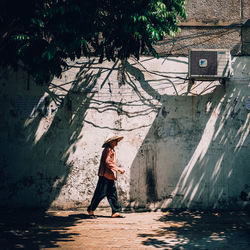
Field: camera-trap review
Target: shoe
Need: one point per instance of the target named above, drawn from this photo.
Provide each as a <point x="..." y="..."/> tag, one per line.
<point x="117" y="215"/>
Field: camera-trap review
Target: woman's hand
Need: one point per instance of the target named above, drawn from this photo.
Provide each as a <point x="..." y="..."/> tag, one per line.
<point x="122" y="171"/>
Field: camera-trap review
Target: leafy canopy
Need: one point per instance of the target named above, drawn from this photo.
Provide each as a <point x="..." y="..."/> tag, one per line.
<point x="42" y="34"/>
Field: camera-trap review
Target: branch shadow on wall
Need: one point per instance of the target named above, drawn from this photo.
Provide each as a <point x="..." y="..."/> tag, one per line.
<point x="35" y="150"/>
<point x="35" y="164"/>
<point x="195" y="152"/>
<point x="35" y="156"/>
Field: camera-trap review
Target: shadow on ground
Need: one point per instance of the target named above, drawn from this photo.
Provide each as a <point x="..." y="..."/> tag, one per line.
<point x="201" y="230"/>
<point x="34" y="229"/>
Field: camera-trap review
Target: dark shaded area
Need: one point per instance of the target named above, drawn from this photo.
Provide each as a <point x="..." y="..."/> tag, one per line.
<point x="35" y="229"/>
<point x="42" y="34"/>
<point x="201" y="230"/>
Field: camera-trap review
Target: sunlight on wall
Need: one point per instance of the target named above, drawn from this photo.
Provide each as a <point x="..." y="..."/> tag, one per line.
<point x="194" y="189"/>
<point x="244" y="130"/>
<point x="197" y="156"/>
<point x="217" y="168"/>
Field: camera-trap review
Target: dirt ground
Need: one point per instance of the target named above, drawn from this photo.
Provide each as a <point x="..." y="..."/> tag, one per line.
<point x="25" y="229"/>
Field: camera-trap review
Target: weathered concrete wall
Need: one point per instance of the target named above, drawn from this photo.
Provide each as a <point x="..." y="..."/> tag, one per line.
<point x="185" y="145"/>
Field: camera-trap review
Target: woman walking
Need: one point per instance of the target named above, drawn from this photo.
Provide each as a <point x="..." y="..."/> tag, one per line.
<point x="107" y="175"/>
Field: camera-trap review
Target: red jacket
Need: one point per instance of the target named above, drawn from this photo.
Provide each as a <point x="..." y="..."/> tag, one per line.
<point x="108" y="167"/>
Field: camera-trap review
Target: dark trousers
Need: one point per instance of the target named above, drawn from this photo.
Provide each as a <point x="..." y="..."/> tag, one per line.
<point x="105" y="188"/>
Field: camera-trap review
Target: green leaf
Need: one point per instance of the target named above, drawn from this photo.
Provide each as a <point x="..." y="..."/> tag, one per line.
<point x="112" y="29"/>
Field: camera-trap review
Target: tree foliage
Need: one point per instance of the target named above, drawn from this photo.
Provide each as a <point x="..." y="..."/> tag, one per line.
<point x="42" y="34"/>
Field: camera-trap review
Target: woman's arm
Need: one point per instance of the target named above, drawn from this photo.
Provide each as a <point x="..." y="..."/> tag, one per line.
<point x="110" y="161"/>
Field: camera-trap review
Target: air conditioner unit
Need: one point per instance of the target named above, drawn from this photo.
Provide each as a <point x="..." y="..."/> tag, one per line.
<point x="209" y="64"/>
